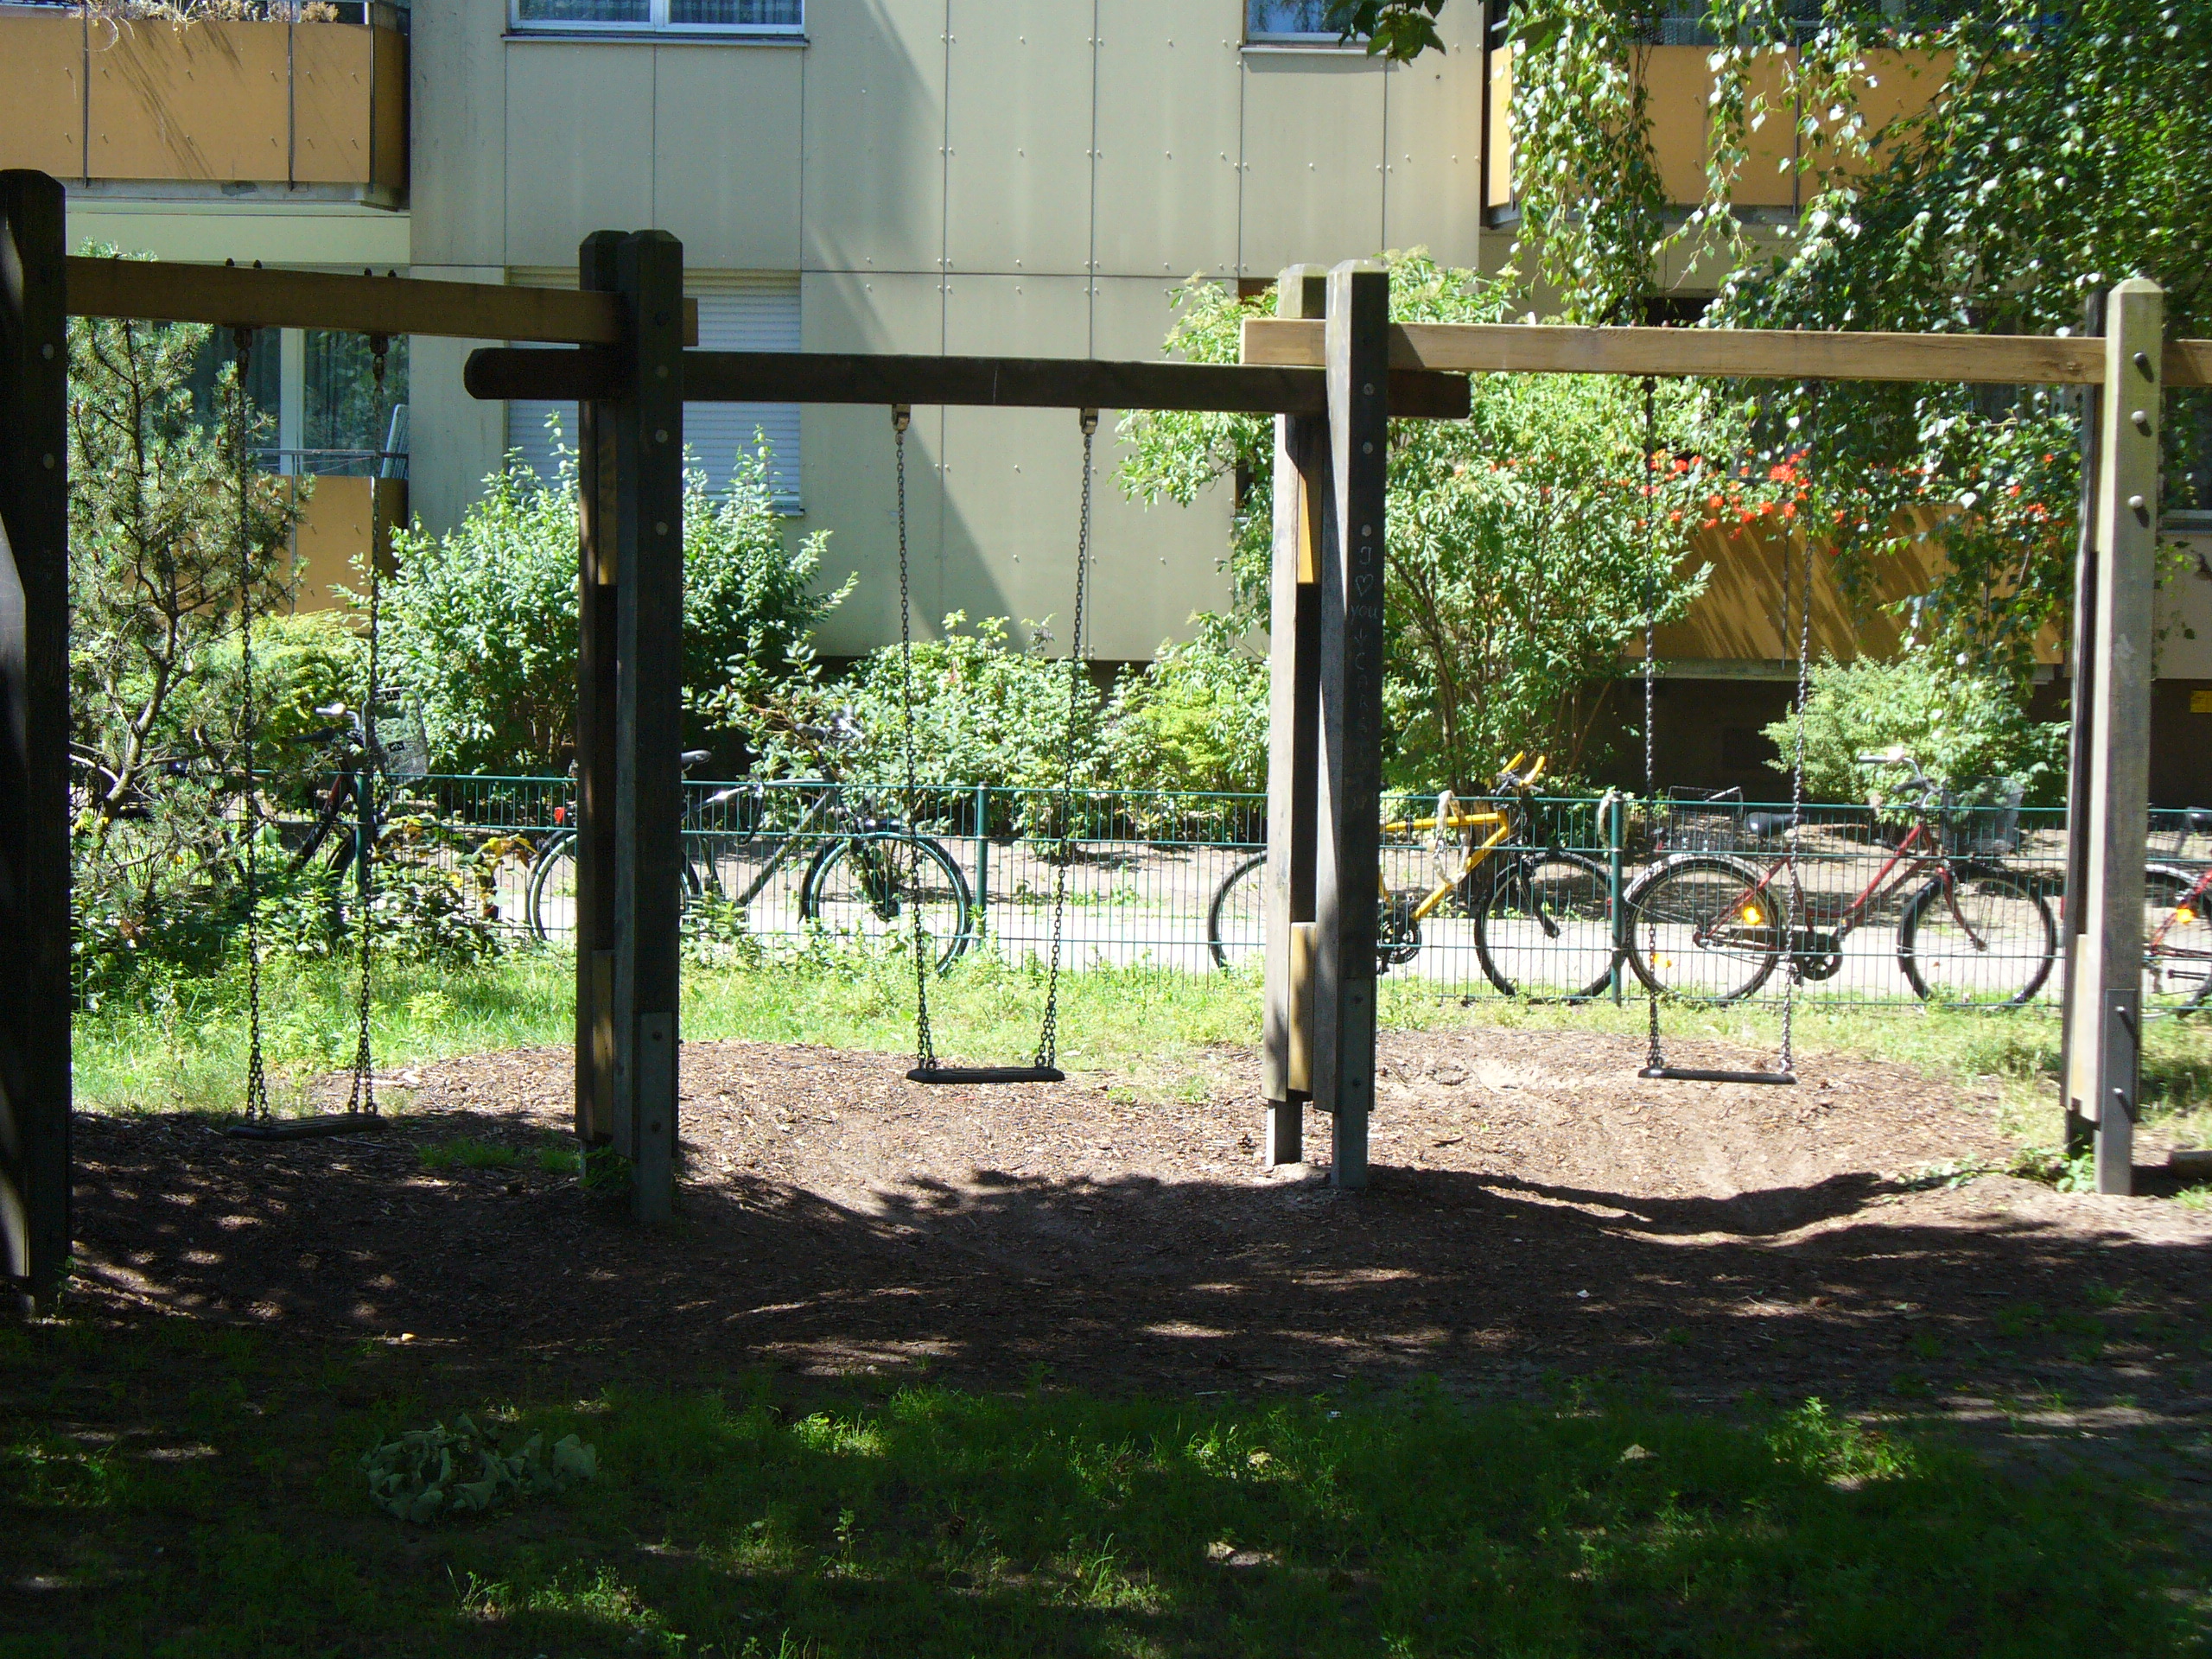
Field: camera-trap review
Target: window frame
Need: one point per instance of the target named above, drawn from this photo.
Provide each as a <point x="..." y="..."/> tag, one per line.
<point x="1324" y="40"/>
<point x="655" y="24"/>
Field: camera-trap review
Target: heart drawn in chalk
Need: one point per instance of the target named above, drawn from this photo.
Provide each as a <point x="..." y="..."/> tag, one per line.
<point x="1363" y="581"/>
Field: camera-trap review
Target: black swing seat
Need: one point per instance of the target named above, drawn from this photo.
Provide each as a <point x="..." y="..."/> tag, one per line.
<point x="987" y="1074"/>
<point x="1701" y="1074"/>
<point x="306" y="1128"/>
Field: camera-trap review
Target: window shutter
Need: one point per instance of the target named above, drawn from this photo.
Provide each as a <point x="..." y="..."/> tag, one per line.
<point x="739" y="311"/>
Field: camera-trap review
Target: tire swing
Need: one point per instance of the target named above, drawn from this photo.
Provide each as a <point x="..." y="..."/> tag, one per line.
<point x="1043" y="1066"/>
<point x="361" y="1114"/>
<point x="1655" y="1058"/>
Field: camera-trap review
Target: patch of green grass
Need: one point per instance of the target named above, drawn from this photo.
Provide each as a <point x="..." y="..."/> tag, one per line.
<point x="168" y="1518"/>
<point x="469" y="1154"/>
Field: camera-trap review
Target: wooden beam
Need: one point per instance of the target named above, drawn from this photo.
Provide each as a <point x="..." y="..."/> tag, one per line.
<point x="648" y="721"/>
<point x="2104" y="994"/>
<point x="1303" y="494"/>
<point x="1750" y="354"/>
<point x="984" y="382"/>
<point x="1347" y="852"/>
<point x="597" y="708"/>
<point x="35" y="984"/>
<point x="240" y="296"/>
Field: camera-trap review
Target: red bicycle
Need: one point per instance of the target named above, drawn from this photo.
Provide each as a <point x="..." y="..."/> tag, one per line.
<point x="1712" y="927"/>
<point x="2178" y="930"/>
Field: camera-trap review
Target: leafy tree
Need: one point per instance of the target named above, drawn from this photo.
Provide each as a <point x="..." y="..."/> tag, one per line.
<point x="1196" y="718"/>
<point x="166" y="556"/>
<point x="1521" y="559"/>
<point x="2060" y="150"/>
<point x="481" y="622"/>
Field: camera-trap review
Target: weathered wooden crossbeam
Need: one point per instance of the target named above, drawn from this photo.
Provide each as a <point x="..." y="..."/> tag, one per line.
<point x="240" y="296"/>
<point x="987" y="382"/>
<point x="1747" y="353"/>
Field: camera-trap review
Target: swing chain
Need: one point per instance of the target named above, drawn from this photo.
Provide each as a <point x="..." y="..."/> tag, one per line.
<point x="925" y="1042"/>
<point x="1048" y="1037"/>
<point x="362" y="1097"/>
<point x="1654" y="1056"/>
<point x="256" y="1076"/>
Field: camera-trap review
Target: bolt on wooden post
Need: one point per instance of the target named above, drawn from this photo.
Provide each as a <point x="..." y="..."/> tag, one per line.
<point x="1348" y="853"/>
<point x="1303" y="492"/>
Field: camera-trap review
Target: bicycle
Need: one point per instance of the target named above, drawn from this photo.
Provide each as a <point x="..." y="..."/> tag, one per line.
<point x="1543" y="917"/>
<point x="1710" y="926"/>
<point x="2178" y="930"/>
<point x="400" y="753"/>
<point x="864" y="872"/>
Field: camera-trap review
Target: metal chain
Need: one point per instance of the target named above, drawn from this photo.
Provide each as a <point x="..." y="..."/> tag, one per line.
<point x="1048" y="1037"/>
<point x="925" y="1041"/>
<point x="362" y="1097"/>
<point x="256" y="1076"/>
<point x="1654" y="1055"/>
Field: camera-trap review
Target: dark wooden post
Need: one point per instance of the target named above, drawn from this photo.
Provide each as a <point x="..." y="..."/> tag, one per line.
<point x="34" y="996"/>
<point x="1348" y="851"/>
<point x="649" y="721"/>
<point x="2104" y="993"/>
<point x="595" y="724"/>
<point x="1303" y="489"/>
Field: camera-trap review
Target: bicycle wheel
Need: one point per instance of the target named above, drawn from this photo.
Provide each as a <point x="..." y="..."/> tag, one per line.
<point x="2177" y="941"/>
<point x="550" y="898"/>
<point x="1236" y="921"/>
<point x="1977" y="939"/>
<point x="1710" y="917"/>
<point x="1545" y="928"/>
<point x="864" y="889"/>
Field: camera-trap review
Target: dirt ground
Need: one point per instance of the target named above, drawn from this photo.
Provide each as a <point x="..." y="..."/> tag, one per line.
<point x="1535" y="1211"/>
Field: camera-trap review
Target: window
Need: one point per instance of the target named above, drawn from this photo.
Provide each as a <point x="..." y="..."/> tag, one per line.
<point x="739" y="311"/>
<point x="766" y="17"/>
<point x="1289" y="22"/>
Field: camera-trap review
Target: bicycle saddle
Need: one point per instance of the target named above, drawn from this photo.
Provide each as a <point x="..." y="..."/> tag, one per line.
<point x="1767" y="826"/>
<point x="2200" y="820"/>
<point x="693" y="757"/>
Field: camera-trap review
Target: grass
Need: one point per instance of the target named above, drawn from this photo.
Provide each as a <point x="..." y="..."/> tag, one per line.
<point x="181" y="1045"/>
<point x="182" y="1489"/>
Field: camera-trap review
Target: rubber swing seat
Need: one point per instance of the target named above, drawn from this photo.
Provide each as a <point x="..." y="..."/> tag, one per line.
<point x="1699" y="1074"/>
<point x="986" y="1074"/>
<point x="306" y="1128"/>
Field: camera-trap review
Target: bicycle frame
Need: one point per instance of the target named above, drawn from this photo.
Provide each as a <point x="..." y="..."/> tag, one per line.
<point x="1500" y="823"/>
<point x="1919" y="853"/>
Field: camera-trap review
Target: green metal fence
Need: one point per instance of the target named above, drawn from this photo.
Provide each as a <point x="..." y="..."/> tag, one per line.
<point x="1711" y="896"/>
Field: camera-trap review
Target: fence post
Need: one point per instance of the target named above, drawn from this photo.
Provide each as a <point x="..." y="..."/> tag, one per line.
<point x="1615" y="816"/>
<point x="982" y="859"/>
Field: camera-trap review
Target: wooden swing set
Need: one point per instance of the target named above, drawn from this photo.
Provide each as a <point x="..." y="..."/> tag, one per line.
<point x="1330" y="367"/>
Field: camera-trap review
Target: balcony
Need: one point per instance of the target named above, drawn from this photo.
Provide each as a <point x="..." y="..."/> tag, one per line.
<point x="1772" y="183"/>
<point x="230" y="109"/>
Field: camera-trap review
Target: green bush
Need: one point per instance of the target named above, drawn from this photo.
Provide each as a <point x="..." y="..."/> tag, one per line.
<point x="1195" y="719"/>
<point x="1962" y="726"/>
<point x="480" y="622"/>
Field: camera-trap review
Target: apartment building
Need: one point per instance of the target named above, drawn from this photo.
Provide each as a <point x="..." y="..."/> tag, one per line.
<point x="1029" y="177"/>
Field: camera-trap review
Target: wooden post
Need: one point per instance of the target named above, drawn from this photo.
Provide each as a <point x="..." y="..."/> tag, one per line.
<point x="2081" y="1133"/>
<point x="1348" y="852"/>
<point x="1303" y="489"/>
<point x="649" y="719"/>
<point x="596" y="703"/>
<point x="34" y="996"/>
<point x="2104" y="994"/>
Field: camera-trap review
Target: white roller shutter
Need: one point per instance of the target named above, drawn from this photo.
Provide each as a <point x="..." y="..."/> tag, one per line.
<point x="739" y="311"/>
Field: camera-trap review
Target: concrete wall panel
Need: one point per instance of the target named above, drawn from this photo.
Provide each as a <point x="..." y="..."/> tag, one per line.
<point x="577" y="176"/>
<point x="1019" y="137"/>
<point x="1431" y="177"/>
<point x="457" y="439"/>
<point x="1169" y="139"/>
<point x="1312" y="159"/>
<point x="457" y="195"/>
<point x="726" y="131"/>
<point x="43" y="118"/>
<point x="873" y="135"/>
